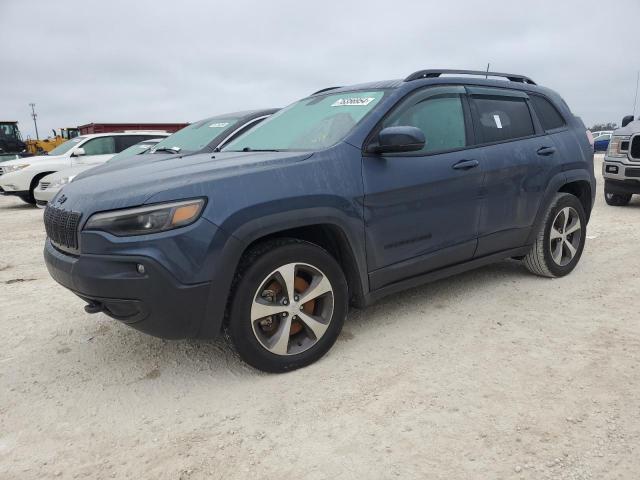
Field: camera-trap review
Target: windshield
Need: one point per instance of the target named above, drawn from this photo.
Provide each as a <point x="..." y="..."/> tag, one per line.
<point x="310" y="124"/>
<point x="66" y="146"/>
<point x="196" y="136"/>
<point x="136" y="149"/>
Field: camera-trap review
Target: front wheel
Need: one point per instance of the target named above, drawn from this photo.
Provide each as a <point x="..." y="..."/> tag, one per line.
<point x="617" y="199"/>
<point x="289" y="303"/>
<point x="560" y="241"/>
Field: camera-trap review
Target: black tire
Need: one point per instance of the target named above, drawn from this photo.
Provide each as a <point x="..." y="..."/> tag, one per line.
<point x="255" y="267"/>
<point x="539" y="260"/>
<point x="28" y="198"/>
<point x="617" y="199"/>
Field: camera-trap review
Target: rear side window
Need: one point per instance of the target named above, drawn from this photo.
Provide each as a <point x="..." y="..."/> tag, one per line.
<point x="99" y="146"/>
<point x="125" y="141"/>
<point x="441" y="119"/>
<point x="548" y="115"/>
<point x="502" y="118"/>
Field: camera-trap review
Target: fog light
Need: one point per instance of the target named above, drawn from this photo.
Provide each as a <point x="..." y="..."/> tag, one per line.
<point x="611" y="169"/>
<point x="141" y="269"/>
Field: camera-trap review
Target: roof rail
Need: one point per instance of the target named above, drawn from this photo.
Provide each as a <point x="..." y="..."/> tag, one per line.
<point x="324" y="90"/>
<point x="436" y="73"/>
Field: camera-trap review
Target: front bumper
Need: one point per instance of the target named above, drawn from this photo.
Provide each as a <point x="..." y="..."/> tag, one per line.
<point x="154" y="302"/>
<point x="44" y="196"/>
<point x="621" y="169"/>
<point x="622" y="187"/>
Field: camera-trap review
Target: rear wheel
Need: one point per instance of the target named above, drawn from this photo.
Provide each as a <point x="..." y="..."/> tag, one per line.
<point x="617" y="199"/>
<point x="289" y="303"/>
<point x="560" y="241"/>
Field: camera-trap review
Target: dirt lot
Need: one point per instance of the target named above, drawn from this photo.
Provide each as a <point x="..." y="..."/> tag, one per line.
<point x="493" y="374"/>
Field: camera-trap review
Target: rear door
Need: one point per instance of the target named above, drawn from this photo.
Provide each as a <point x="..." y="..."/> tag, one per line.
<point x="422" y="208"/>
<point x="517" y="157"/>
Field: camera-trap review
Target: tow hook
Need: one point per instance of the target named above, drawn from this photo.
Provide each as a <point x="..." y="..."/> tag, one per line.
<point x="93" y="307"/>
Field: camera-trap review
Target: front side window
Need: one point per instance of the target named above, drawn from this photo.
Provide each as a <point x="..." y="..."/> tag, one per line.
<point x="440" y="117"/>
<point x="314" y="123"/>
<point x="502" y="118"/>
<point x="549" y="116"/>
<point x="100" y="146"/>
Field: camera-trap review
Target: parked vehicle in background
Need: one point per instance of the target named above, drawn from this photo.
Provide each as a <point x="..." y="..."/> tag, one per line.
<point x="621" y="166"/>
<point x="11" y="143"/>
<point x="51" y="184"/>
<point x="601" y="132"/>
<point x="341" y="198"/>
<point x="20" y="177"/>
<point x="601" y="142"/>
<point x="90" y="128"/>
<point x="205" y="135"/>
<point x="41" y="147"/>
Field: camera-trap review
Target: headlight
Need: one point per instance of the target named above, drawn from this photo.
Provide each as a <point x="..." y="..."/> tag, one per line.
<point x="618" y="146"/>
<point x="148" y="219"/>
<point x="59" y="183"/>
<point x="14" y="168"/>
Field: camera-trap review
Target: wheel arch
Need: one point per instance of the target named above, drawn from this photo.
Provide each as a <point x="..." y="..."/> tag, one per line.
<point x="36" y="179"/>
<point x="582" y="190"/>
<point x="329" y="235"/>
<point x="575" y="182"/>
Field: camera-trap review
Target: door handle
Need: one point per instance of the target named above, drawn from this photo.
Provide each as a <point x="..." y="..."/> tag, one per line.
<point x="465" y="164"/>
<point x="545" y="151"/>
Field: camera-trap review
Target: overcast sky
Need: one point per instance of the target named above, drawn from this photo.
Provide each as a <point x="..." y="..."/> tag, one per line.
<point x="175" y="61"/>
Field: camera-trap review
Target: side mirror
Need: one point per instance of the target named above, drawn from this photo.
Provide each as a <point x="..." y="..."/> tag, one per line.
<point x="627" y="120"/>
<point x="78" y="152"/>
<point x="399" y="139"/>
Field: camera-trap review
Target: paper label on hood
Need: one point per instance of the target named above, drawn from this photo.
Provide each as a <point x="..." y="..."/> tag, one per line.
<point x="352" y="102"/>
<point x="219" y="125"/>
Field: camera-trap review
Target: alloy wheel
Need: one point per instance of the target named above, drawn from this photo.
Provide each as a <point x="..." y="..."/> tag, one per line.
<point x="565" y="236"/>
<point x="292" y="309"/>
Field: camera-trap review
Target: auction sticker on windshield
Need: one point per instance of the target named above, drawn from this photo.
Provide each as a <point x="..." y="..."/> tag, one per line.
<point x="219" y="125"/>
<point x="350" y="102"/>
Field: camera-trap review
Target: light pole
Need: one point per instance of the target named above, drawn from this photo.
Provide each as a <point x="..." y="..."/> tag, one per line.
<point x="34" y="115"/>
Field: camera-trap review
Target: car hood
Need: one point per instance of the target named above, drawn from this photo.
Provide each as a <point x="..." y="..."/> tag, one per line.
<point x="137" y="160"/>
<point x="37" y="158"/>
<point x="630" y="129"/>
<point x="101" y="188"/>
<point x="67" y="172"/>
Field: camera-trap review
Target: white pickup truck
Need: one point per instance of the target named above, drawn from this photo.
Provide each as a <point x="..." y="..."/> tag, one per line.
<point x="621" y="166"/>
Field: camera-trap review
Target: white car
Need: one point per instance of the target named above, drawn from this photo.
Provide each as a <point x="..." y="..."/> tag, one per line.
<point x="51" y="184"/>
<point x="20" y="177"/>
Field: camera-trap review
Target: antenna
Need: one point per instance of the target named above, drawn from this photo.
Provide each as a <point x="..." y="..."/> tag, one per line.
<point x="635" y="100"/>
<point x="34" y="115"/>
<point x="487" y="75"/>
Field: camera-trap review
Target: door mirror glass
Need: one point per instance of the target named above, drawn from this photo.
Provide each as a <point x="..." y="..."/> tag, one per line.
<point x="399" y="139"/>
<point x="79" y="152"/>
<point x="627" y="120"/>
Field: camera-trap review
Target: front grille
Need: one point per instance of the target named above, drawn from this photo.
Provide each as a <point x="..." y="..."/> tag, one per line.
<point x="44" y="185"/>
<point x="62" y="227"/>
<point x="632" y="172"/>
<point x="634" y="151"/>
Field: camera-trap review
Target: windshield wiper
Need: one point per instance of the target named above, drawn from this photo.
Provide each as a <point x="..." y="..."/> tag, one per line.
<point x="249" y="149"/>
<point x="168" y="149"/>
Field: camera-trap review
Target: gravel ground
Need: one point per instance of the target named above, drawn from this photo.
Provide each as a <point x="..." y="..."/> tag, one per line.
<point x="493" y="374"/>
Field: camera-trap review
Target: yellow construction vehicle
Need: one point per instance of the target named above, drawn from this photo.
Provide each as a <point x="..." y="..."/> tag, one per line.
<point x="38" y="147"/>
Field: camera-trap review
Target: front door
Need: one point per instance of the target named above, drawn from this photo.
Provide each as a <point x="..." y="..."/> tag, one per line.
<point x="422" y="208"/>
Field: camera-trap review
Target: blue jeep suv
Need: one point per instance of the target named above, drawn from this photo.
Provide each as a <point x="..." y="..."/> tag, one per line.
<point x="339" y="199"/>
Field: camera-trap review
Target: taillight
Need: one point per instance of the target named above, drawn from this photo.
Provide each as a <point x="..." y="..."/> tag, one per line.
<point x="618" y="146"/>
<point x="590" y="138"/>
